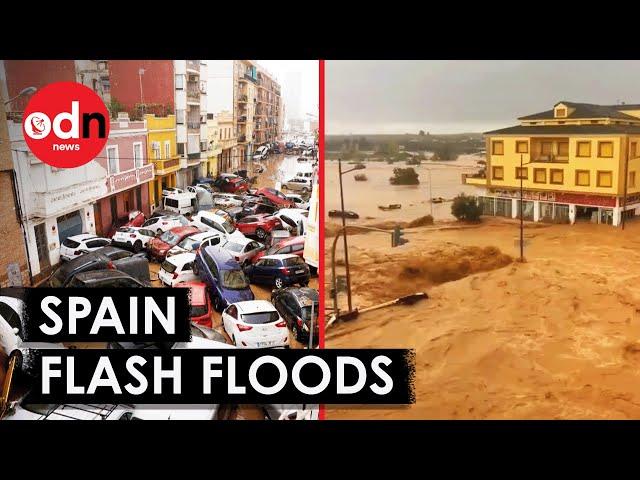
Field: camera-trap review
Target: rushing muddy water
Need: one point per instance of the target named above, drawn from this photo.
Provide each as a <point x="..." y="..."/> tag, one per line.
<point x="364" y="197"/>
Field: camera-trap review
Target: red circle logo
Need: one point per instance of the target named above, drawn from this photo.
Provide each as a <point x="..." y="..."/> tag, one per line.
<point x="66" y="124"/>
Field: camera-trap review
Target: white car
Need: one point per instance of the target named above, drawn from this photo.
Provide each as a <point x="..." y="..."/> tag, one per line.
<point x="291" y="218"/>
<point x="243" y="249"/>
<point x="169" y="190"/>
<point x="135" y="238"/>
<point x="227" y="200"/>
<point x="298" y="200"/>
<point x="292" y="411"/>
<point x="78" y="244"/>
<point x="217" y="220"/>
<point x="177" y="268"/>
<point x="255" y="324"/>
<point x="174" y="412"/>
<point x="199" y="240"/>
<point x="165" y="222"/>
<point x="26" y="411"/>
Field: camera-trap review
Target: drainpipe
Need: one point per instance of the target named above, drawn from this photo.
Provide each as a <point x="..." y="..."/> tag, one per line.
<point x="626" y="177"/>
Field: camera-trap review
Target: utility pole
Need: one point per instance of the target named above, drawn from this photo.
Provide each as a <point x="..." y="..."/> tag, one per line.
<point x="521" y="214"/>
<point x="344" y="229"/>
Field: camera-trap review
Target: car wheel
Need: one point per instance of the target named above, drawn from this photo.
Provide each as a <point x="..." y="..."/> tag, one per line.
<point x="260" y="233"/>
<point x="279" y="283"/>
<point x="137" y="246"/>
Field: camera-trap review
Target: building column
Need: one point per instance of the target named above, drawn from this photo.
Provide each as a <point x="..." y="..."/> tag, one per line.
<point x="514" y="208"/>
<point x="617" y="216"/>
<point x="536" y="211"/>
<point x="152" y="191"/>
<point x="572" y="213"/>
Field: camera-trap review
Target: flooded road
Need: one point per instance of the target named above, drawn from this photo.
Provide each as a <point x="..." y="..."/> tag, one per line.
<point x="364" y="197"/>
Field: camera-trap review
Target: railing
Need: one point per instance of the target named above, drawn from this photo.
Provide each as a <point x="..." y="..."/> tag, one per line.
<point x="193" y="93"/>
<point x="249" y="77"/>
<point x="193" y="65"/>
<point x="166" y="164"/>
<point x="242" y="98"/>
<point x="193" y="125"/>
<point x="549" y="158"/>
<point x="242" y="119"/>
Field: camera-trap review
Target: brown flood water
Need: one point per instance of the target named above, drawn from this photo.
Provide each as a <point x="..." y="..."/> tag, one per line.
<point x="364" y="197"/>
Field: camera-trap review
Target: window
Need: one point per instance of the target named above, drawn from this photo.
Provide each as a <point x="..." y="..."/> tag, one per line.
<point x="498" y="173"/>
<point x="522" y="173"/>
<point x="497" y="147"/>
<point x="547" y="148"/>
<point x="605" y="149"/>
<point x="155" y="147"/>
<point x="179" y="82"/>
<point x="584" y="149"/>
<point x="112" y="160"/>
<point x="563" y="149"/>
<point x="561" y="112"/>
<point x="604" y="179"/>
<point x="522" y="147"/>
<point x="583" y="178"/>
<point x="181" y="149"/>
<point x="632" y="179"/>
<point x="634" y="149"/>
<point x="180" y="116"/>
<point x="557" y="176"/>
<point x="167" y="149"/>
<point x="540" y="175"/>
<point x="137" y="155"/>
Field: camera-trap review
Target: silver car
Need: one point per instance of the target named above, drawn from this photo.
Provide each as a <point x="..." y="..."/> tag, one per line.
<point x="297" y="184"/>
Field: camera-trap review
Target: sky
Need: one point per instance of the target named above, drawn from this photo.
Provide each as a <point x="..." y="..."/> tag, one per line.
<point x="458" y="96"/>
<point x="220" y="91"/>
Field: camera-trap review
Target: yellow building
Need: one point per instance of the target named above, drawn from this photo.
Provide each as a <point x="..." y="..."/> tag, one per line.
<point x="214" y="147"/>
<point x="162" y="150"/>
<point x="580" y="162"/>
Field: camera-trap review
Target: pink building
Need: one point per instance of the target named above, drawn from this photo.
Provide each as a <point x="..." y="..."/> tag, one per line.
<point x="128" y="175"/>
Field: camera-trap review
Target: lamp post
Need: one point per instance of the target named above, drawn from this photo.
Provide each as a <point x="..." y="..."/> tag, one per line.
<point x="521" y="211"/>
<point x="344" y="227"/>
<point x="24" y="91"/>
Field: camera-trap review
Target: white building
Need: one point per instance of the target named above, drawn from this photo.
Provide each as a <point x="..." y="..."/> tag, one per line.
<point x="191" y="119"/>
<point x="54" y="203"/>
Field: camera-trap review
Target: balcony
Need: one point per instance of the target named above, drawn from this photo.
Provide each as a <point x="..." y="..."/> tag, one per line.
<point x="193" y="92"/>
<point x="242" y="139"/>
<point x="242" y="99"/>
<point x="549" y="158"/>
<point x="167" y="165"/>
<point x="193" y="125"/>
<point x="242" y="119"/>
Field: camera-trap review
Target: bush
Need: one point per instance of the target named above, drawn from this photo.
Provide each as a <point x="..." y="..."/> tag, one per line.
<point x="466" y="208"/>
<point x="404" y="176"/>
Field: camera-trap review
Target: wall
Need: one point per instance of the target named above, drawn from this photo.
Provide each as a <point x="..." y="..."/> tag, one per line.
<point x="157" y="82"/>
<point x="36" y="73"/>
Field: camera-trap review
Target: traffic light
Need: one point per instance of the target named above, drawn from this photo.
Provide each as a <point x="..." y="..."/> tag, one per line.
<point x="396" y="237"/>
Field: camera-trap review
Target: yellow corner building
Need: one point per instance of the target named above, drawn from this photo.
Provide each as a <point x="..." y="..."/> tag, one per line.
<point x="162" y="151"/>
<point x="576" y="162"/>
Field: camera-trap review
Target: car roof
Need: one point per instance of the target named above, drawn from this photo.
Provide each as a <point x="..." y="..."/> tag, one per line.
<point x="202" y="236"/>
<point x="291" y="241"/>
<point x="181" y="258"/>
<point x="94" y="275"/>
<point x="180" y="196"/>
<point x="292" y="211"/>
<point x="241" y="240"/>
<point x="304" y="295"/>
<point x="212" y="215"/>
<point x="280" y="256"/>
<point x="223" y="258"/>
<point x="255" y="306"/>
<point x="81" y="262"/>
<point x="109" y="250"/>
<point x="198" y="291"/>
<point x="83" y="236"/>
<point x="184" y="229"/>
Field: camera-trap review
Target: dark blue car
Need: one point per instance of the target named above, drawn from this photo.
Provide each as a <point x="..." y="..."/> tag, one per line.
<point x="279" y="270"/>
<point x="224" y="276"/>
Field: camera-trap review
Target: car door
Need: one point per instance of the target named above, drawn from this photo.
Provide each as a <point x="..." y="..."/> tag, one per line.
<point x="229" y="317"/>
<point x="248" y="225"/>
<point x="283" y="307"/>
<point x="257" y="270"/>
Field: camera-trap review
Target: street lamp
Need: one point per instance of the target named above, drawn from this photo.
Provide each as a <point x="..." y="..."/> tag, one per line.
<point x="24" y="91"/>
<point x="344" y="226"/>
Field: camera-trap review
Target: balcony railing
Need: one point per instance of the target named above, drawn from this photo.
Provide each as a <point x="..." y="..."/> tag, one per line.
<point x="164" y="165"/>
<point x="193" y="93"/>
<point x="242" y="119"/>
<point x="549" y="158"/>
<point x="243" y="98"/>
<point x="193" y="65"/>
<point x="193" y="125"/>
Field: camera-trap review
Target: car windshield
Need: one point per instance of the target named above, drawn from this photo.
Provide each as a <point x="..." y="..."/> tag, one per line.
<point x="234" y="247"/>
<point x="125" y="229"/>
<point x="168" y="267"/>
<point x="234" y="280"/>
<point x="198" y="310"/>
<point x="40" y="408"/>
<point x="228" y="226"/>
<point x="169" y="238"/>
<point x="260" y="317"/>
<point x="187" y="243"/>
<point x="293" y="261"/>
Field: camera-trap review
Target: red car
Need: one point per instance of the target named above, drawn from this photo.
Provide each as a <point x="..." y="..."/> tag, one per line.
<point x="159" y="246"/>
<point x="292" y="245"/>
<point x="200" y="303"/>
<point x="231" y="184"/>
<point x="259" y="225"/>
<point x="136" y="219"/>
<point x="276" y="197"/>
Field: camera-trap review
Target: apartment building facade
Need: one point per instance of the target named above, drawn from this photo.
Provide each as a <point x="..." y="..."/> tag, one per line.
<point x="162" y="152"/>
<point x="191" y="119"/>
<point x="576" y="162"/>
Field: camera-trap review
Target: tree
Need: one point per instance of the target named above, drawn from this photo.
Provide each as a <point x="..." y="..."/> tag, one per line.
<point x="466" y="208"/>
<point x="421" y="133"/>
<point x="404" y="176"/>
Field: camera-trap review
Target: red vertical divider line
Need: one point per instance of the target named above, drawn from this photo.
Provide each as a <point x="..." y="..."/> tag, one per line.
<point x="321" y="283"/>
